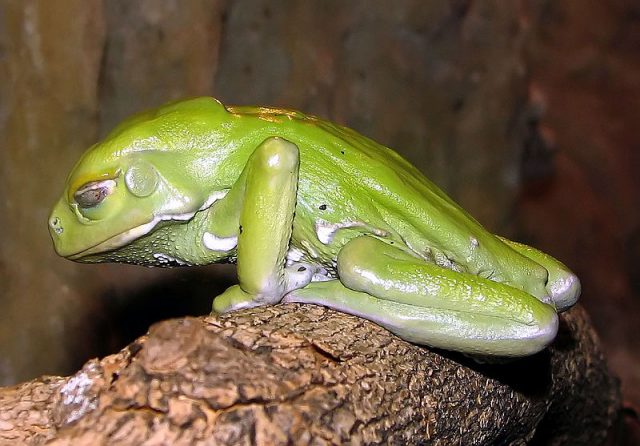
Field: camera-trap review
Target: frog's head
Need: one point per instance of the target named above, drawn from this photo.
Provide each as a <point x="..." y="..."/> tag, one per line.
<point x="142" y="174"/>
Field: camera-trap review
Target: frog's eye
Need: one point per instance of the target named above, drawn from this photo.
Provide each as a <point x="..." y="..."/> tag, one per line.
<point x="93" y="193"/>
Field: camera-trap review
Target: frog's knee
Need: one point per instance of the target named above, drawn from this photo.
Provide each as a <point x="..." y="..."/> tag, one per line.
<point x="564" y="289"/>
<point x="356" y="262"/>
<point x="357" y="256"/>
<point x="356" y="250"/>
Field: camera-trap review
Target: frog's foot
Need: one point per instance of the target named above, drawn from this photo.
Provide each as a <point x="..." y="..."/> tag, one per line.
<point x="431" y="305"/>
<point x="562" y="286"/>
<point x="296" y="275"/>
<point x="235" y="298"/>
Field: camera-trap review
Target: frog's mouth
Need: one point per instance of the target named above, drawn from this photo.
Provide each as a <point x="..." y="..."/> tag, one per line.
<point x="124" y="238"/>
<point x="118" y="241"/>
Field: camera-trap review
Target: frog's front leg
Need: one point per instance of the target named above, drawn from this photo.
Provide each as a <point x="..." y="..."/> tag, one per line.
<point x="427" y="304"/>
<point x="259" y="208"/>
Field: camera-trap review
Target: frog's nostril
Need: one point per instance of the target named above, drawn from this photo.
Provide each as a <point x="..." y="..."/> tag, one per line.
<point x="55" y="225"/>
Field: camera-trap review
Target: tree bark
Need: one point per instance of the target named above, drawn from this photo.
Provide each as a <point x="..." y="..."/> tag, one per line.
<point x="294" y="374"/>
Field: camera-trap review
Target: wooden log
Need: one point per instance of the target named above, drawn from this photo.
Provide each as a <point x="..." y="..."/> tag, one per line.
<point x="295" y="374"/>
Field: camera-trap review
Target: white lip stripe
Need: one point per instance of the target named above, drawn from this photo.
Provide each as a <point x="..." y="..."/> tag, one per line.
<point x="219" y="243"/>
<point x="133" y="234"/>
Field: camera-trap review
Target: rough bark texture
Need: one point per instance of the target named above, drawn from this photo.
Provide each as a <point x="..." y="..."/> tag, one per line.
<point x="307" y="375"/>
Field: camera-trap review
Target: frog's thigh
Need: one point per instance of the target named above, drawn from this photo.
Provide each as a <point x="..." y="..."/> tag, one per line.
<point x="563" y="286"/>
<point x="268" y="203"/>
<point x="427" y="304"/>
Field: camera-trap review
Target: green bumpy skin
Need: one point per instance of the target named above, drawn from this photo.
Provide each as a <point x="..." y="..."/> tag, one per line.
<point x="314" y="213"/>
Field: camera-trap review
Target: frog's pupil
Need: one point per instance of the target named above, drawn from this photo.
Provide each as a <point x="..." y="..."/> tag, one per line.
<point x="91" y="197"/>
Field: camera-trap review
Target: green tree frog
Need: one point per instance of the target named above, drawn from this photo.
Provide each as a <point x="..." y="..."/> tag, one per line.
<point x="312" y="212"/>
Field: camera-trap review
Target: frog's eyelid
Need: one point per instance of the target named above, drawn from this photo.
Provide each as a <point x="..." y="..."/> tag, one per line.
<point x="103" y="188"/>
<point x="96" y="185"/>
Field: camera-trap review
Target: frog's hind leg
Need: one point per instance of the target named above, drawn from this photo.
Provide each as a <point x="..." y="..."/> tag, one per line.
<point x="427" y="304"/>
<point x="563" y="286"/>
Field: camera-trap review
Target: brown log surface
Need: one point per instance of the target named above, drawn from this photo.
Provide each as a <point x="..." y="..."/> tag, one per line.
<point x="293" y="374"/>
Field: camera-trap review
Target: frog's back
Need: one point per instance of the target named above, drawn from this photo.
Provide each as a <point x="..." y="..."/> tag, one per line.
<point x="348" y="150"/>
<point x="327" y="148"/>
<point x="348" y="179"/>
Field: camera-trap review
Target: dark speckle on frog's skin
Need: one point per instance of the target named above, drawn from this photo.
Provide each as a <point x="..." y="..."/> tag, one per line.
<point x="323" y="207"/>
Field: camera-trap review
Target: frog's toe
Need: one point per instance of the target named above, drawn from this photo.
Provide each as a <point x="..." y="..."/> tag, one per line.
<point x="564" y="289"/>
<point x="233" y="299"/>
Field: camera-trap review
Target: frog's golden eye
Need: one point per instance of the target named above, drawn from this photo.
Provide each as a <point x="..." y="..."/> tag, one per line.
<point x="92" y="194"/>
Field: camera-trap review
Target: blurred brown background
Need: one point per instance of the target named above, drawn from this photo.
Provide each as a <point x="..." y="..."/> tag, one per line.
<point x="523" y="111"/>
